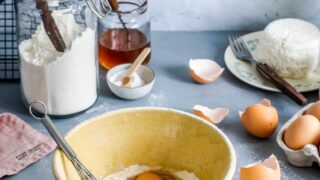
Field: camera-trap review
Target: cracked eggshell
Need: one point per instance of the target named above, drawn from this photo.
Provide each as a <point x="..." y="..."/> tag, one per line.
<point x="260" y="120"/>
<point x="304" y="157"/>
<point x="266" y="170"/>
<point x="214" y="116"/>
<point x="204" y="70"/>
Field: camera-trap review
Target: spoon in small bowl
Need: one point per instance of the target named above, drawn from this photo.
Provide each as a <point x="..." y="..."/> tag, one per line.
<point x="127" y="79"/>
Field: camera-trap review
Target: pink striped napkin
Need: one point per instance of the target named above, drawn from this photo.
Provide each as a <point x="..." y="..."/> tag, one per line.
<point x="20" y="145"/>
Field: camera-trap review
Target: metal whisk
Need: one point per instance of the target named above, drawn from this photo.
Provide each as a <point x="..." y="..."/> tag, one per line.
<point x="105" y="7"/>
<point x="83" y="172"/>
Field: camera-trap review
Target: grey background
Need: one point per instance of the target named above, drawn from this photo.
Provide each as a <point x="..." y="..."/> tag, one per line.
<point x="202" y="15"/>
<point x="226" y="15"/>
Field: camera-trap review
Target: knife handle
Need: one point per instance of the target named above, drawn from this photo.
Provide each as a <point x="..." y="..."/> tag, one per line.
<point x="270" y="74"/>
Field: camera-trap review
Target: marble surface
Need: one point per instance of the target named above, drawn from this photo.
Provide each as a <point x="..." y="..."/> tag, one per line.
<point x="202" y="15"/>
<point x="174" y="88"/>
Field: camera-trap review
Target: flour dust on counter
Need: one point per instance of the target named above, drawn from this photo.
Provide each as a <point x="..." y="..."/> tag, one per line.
<point x="157" y="99"/>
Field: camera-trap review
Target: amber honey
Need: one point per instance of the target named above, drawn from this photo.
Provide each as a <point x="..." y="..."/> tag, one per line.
<point x="119" y="46"/>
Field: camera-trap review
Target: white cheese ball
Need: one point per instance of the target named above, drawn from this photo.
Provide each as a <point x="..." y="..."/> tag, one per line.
<point x="291" y="47"/>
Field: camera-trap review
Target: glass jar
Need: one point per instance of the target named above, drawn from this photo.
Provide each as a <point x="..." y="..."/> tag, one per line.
<point x="65" y="81"/>
<point x="124" y="33"/>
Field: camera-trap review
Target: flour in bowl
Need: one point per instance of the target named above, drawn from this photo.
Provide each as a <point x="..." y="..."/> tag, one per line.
<point x="64" y="81"/>
<point x="291" y="47"/>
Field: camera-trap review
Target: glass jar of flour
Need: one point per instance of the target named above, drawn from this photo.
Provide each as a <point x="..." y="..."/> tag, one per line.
<point x="62" y="70"/>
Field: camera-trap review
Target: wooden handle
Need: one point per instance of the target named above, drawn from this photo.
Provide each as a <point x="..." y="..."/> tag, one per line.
<point x="142" y="56"/>
<point x="269" y="73"/>
<point x="114" y="5"/>
<point x="50" y="26"/>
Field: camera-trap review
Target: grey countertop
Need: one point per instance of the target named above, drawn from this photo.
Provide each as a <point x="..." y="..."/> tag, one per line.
<point x="174" y="88"/>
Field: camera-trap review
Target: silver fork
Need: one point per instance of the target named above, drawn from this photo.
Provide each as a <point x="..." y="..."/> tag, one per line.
<point x="241" y="51"/>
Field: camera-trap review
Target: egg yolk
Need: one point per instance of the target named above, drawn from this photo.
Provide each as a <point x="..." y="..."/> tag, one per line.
<point x="148" y="176"/>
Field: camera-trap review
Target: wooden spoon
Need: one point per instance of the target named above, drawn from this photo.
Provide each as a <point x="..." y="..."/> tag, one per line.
<point x="127" y="78"/>
<point x="114" y="5"/>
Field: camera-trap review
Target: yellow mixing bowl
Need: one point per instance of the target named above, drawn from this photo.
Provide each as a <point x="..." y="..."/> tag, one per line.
<point x="148" y="136"/>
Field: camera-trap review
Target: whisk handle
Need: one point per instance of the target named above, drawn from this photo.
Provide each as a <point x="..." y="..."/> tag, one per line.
<point x="62" y="143"/>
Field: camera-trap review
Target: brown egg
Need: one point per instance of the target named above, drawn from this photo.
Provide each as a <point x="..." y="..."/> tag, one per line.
<point x="314" y="110"/>
<point x="267" y="170"/>
<point x="304" y="130"/>
<point x="260" y="119"/>
<point x="204" y="71"/>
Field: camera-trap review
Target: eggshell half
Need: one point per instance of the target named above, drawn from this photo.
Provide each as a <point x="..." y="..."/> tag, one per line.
<point x="204" y="70"/>
<point x="267" y="170"/>
<point x="214" y="116"/>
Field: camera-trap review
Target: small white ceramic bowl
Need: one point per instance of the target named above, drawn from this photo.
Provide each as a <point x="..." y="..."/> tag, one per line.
<point x="146" y="74"/>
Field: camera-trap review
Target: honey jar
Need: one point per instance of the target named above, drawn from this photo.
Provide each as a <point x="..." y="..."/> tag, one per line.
<point x="124" y="33"/>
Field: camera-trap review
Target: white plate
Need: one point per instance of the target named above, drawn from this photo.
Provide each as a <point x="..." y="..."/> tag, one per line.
<point x="244" y="71"/>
